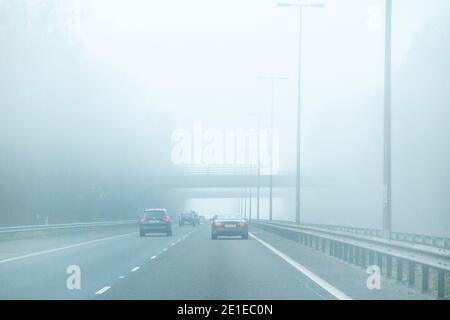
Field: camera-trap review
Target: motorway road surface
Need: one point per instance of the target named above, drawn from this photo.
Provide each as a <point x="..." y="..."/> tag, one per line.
<point x="116" y="263"/>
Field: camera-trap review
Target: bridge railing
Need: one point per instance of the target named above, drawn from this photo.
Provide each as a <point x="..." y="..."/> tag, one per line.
<point x="430" y="264"/>
<point x="232" y="170"/>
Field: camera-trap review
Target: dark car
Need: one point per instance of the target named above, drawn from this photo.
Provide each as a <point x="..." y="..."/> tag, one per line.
<point x="229" y="226"/>
<point x="155" y="221"/>
<point x="187" y="218"/>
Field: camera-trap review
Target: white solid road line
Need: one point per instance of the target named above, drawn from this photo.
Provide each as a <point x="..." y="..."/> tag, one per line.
<point x="65" y="247"/>
<point x="102" y="290"/>
<point x="135" y="269"/>
<point x="154" y="257"/>
<point x="318" y="280"/>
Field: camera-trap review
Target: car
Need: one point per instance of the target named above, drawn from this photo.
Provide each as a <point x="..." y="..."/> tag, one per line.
<point x="187" y="218"/>
<point x="229" y="225"/>
<point x="196" y="217"/>
<point x="155" y="221"/>
<point x="201" y="219"/>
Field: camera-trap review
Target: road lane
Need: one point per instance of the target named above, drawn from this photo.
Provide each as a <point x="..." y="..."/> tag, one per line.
<point x="201" y="268"/>
<point x="102" y="263"/>
<point x="188" y="265"/>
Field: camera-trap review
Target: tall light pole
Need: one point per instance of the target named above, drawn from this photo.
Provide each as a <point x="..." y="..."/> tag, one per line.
<point x="258" y="159"/>
<point x="387" y="125"/>
<point x="300" y="7"/>
<point x="272" y="103"/>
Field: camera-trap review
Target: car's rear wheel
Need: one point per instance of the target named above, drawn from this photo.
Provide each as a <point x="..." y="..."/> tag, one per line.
<point x="214" y="237"/>
<point x="141" y="233"/>
<point x="169" y="233"/>
<point x="245" y="236"/>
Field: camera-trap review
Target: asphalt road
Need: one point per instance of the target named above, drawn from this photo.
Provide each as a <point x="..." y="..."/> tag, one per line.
<point x="118" y="264"/>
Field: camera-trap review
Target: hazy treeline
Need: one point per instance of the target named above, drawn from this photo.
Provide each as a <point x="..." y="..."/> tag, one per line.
<point x="77" y="141"/>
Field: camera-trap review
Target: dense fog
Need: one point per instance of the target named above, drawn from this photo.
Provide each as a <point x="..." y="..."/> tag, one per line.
<point x="92" y="91"/>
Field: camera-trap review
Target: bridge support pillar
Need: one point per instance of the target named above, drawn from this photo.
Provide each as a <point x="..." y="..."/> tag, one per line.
<point x="371" y="257"/>
<point x="380" y="261"/>
<point x="357" y="255"/>
<point x="399" y="270"/>
<point x="425" y="278"/>
<point x="389" y="267"/>
<point x="411" y="274"/>
<point x="441" y="284"/>
<point x="324" y="245"/>
<point x="363" y="258"/>
<point x="351" y="251"/>
<point x="345" y="252"/>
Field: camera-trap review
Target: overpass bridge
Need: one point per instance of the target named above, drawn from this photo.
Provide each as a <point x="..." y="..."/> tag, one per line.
<point x="194" y="177"/>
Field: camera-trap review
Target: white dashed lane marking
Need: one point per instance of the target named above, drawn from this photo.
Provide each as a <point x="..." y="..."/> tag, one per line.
<point x="102" y="290"/>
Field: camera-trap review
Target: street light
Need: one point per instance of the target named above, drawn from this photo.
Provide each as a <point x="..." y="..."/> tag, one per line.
<point x="258" y="157"/>
<point x="300" y="7"/>
<point x="387" y="217"/>
<point x="272" y="82"/>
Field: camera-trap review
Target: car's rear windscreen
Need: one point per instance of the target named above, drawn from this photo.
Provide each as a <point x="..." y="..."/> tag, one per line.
<point x="154" y="214"/>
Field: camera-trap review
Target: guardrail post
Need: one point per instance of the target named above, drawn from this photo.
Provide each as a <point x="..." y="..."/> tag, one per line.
<point x="324" y="245"/>
<point x="441" y="284"/>
<point x="316" y="242"/>
<point x="411" y="274"/>
<point x="389" y="267"/>
<point x="425" y="278"/>
<point x="331" y="247"/>
<point x="399" y="270"/>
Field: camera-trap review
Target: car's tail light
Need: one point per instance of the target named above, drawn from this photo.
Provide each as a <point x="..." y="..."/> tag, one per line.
<point x="166" y="219"/>
<point x="141" y="219"/>
<point x="242" y="225"/>
<point x="217" y="225"/>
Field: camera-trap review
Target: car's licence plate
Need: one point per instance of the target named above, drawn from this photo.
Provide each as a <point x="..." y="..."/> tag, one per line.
<point x="230" y="226"/>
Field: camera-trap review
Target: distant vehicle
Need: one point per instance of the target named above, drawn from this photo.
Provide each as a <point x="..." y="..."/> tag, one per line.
<point x="229" y="225"/>
<point x="155" y="221"/>
<point x="196" y="217"/>
<point x="187" y="218"/>
<point x="201" y="219"/>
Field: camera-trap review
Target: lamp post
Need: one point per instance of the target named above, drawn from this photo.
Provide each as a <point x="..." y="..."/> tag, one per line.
<point x="272" y="103"/>
<point x="258" y="159"/>
<point x="300" y="7"/>
<point x="387" y="218"/>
